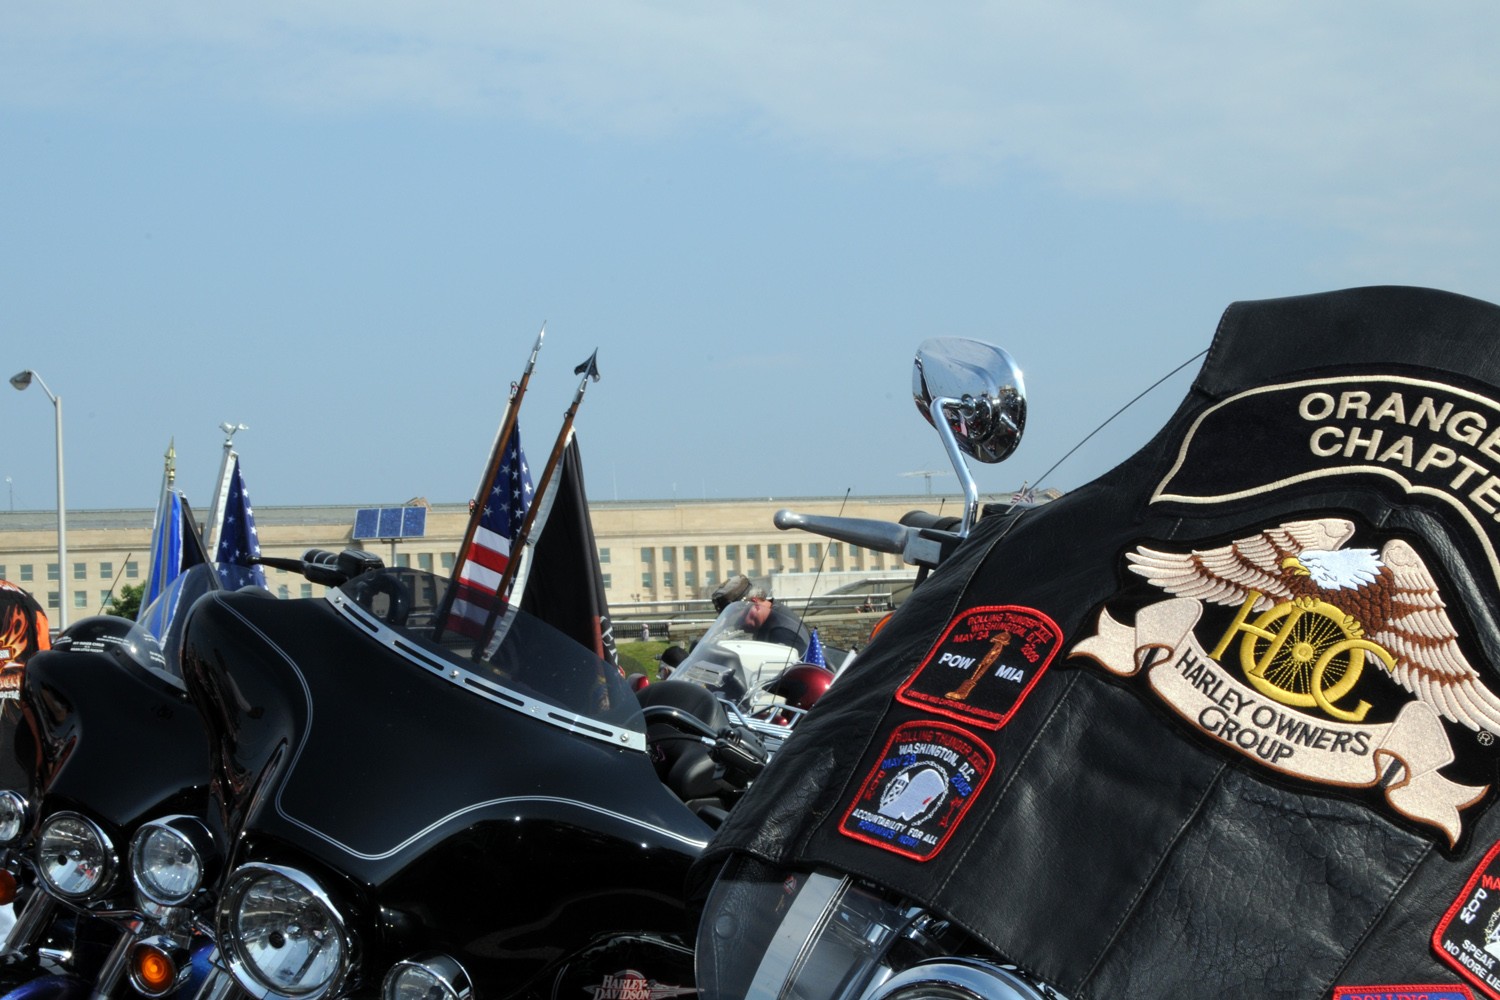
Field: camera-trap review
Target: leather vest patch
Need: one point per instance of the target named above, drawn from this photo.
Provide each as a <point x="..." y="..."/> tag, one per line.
<point x="1318" y="658"/>
<point x="984" y="665"/>
<point x="919" y="790"/>
<point x="1428" y="438"/>
<point x="1468" y="936"/>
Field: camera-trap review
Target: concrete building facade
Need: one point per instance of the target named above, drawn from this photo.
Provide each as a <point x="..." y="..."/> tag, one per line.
<point x="652" y="553"/>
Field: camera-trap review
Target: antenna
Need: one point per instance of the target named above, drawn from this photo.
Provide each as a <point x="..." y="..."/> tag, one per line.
<point x="928" y="473"/>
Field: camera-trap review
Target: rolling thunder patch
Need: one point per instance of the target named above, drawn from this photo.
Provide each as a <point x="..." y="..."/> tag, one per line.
<point x="984" y="665"/>
<point x="916" y="795"/>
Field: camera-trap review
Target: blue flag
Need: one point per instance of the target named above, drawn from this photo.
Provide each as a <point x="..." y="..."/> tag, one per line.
<point x="175" y="546"/>
<point x="814" y="654"/>
<point x="238" y="541"/>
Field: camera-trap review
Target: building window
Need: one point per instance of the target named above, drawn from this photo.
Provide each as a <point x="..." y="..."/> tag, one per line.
<point x="710" y="553"/>
<point x="668" y="580"/>
<point x="2" y="571"/>
<point x="669" y="554"/>
<point x="646" y="581"/>
<point x="752" y="553"/>
<point x="106" y="570"/>
<point x="52" y="571"/>
<point x="53" y="600"/>
<point x="307" y="590"/>
<point x="690" y="578"/>
<point x="690" y="553"/>
<point x="732" y="553"/>
<point x="104" y="596"/>
<point x="26" y="574"/>
<point x="447" y="562"/>
<point x="403" y="560"/>
<point x="604" y="555"/>
<point x="283" y="591"/>
<point x="835" y="550"/>
<point x="424" y="561"/>
<point x="646" y="556"/>
<point x="132" y="570"/>
<point x="710" y="578"/>
<point x="80" y="598"/>
<point x="773" y="552"/>
<point x="794" y="551"/>
<point x="814" y="551"/>
<point x="80" y="571"/>
<point x="606" y="579"/>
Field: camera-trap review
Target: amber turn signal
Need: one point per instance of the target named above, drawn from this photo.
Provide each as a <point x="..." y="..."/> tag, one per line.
<point x="153" y="970"/>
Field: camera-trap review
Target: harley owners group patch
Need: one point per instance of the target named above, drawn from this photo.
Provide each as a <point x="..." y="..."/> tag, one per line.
<point x="1468" y="936"/>
<point x="925" y="780"/>
<point x="984" y="665"/>
<point x="1337" y="664"/>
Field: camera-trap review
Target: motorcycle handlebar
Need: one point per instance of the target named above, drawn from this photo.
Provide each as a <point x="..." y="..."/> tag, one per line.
<point x="921" y="539"/>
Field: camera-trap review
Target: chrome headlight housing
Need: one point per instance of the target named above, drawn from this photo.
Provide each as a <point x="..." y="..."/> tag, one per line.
<point x="74" y="856"/>
<point x="427" y="977"/>
<point x="170" y="858"/>
<point x="281" y="934"/>
<point x="15" y="816"/>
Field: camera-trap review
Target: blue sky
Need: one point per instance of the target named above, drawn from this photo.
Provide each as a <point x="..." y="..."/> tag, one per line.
<point x="343" y="224"/>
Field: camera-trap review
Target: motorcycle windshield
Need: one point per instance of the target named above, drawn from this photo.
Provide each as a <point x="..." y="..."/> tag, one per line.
<point x="157" y="632"/>
<point x="747" y="646"/>
<point x="528" y="665"/>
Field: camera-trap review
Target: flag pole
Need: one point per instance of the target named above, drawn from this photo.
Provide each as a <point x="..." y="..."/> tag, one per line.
<point x="589" y="370"/>
<point x="497" y="455"/>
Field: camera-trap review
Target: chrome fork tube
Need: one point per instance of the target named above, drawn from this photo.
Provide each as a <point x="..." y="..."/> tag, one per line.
<point x="34" y="918"/>
<point x="112" y="972"/>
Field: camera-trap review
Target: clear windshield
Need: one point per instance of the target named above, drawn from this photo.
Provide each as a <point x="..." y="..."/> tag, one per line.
<point x="531" y="659"/>
<point x="747" y="646"/>
<point x="163" y="618"/>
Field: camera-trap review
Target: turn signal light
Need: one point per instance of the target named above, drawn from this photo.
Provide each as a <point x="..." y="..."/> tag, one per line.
<point x="153" y="969"/>
<point x="7" y="887"/>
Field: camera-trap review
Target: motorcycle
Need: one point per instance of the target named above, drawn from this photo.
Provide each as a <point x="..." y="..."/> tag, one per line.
<point x="118" y="768"/>
<point x="1221" y="722"/>
<point x="752" y="658"/>
<point x="409" y="815"/>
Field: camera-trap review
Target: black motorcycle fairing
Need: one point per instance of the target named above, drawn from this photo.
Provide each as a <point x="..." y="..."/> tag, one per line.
<point x="84" y="713"/>
<point x="1110" y="847"/>
<point x="507" y="839"/>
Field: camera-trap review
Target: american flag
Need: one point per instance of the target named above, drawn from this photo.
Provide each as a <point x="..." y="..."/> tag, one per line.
<point x="238" y="540"/>
<point x="483" y="565"/>
<point x="1024" y="495"/>
<point x="814" y="654"/>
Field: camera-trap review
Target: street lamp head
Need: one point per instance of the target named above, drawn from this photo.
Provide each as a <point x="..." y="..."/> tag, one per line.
<point x="21" y="380"/>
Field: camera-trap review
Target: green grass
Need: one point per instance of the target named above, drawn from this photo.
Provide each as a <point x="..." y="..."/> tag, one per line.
<point x="640" y="657"/>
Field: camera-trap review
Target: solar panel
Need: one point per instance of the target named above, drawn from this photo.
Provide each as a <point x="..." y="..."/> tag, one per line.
<point x="389" y="522"/>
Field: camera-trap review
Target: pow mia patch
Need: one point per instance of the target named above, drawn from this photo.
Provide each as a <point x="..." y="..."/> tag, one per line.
<point x="1468" y="936"/>
<point x="984" y="666"/>
<point x="917" y="793"/>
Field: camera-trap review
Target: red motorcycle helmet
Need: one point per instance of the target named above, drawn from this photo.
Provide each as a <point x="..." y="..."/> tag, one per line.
<point x="801" y="684"/>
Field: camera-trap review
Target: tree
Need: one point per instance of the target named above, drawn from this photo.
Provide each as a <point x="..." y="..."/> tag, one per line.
<point x="127" y="603"/>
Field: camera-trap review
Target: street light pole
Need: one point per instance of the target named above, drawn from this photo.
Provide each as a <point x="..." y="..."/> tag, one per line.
<point x="20" y="381"/>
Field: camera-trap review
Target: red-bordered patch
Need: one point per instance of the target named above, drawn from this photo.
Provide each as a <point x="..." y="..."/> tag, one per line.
<point x="984" y="666"/>
<point x="1452" y="991"/>
<point x="1468" y="936"/>
<point x="918" y="791"/>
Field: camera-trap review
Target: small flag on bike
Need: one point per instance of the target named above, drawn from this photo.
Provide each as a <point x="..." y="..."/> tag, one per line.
<point x="482" y="566"/>
<point x="239" y="542"/>
<point x="814" y="654"/>
<point x="1025" y="495"/>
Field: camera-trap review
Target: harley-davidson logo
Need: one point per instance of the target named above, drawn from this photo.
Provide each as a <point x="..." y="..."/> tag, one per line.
<point x="1282" y="682"/>
<point x="632" y="985"/>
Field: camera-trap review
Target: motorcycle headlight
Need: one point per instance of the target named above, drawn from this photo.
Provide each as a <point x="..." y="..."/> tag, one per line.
<point x="169" y="858"/>
<point x="15" y="814"/>
<point x="281" y="933"/>
<point x="74" y="855"/>
<point x="427" y="977"/>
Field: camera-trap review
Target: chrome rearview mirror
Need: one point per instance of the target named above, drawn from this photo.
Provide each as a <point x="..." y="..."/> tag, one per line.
<point x="972" y="392"/>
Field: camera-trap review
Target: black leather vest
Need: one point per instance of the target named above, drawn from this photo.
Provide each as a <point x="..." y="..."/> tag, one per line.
<point x="1222" y="722"/>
